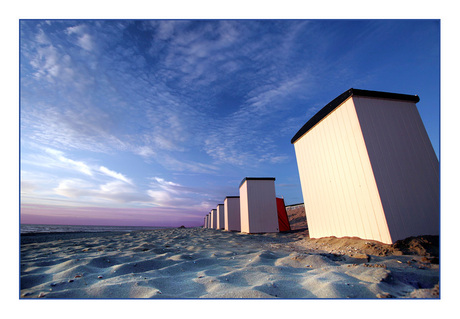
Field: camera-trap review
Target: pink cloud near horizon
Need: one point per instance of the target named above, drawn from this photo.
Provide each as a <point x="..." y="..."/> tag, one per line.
<point x="65" y="215"/>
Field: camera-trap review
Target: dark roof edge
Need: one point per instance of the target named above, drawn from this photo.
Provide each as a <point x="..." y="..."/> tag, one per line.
<point x="256" y="178"/>
<point x="232" y="197"/>
<point x="386" y="95"/>
<point x="344" y="96"/>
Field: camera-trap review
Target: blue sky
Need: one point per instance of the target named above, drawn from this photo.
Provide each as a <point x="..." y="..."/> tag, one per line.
<point x="154" y="122"/>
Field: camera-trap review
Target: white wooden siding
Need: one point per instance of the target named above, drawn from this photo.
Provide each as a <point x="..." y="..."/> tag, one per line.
<point x="244" y="214"/>
<point x="232" y="214"/>
<point x="258" y="206"/>
<point x="220" y="216"/>
<point x="340" y="193"/>
<point x="214" y="218"/>
<point x="404" y="164"/>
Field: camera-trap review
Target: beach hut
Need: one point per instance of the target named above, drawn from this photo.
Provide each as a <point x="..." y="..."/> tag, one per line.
<point x="214" y="218"/>
<point x="232" y="213"/>
<point x="283" y="220"/>
<point x="209" y="220"/>
<point x="220" y="216"/>
<point x="367" y="168"/>
<point x="258" y="211"/>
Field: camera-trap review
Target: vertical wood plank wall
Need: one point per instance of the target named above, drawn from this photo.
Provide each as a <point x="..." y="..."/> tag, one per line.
<point x="214" y="218"/>
<point x="258" y="206"/>
<point x="220" y="216"/>
<point x="232" y="214"/>
<point x="244" y="214"/>
<point x="338" y="186"/>
<point x="404" y="163"/>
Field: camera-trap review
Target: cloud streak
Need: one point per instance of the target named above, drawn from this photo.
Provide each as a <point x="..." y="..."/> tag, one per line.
<point x="176" y="74"/>
<point x="158" y="90"/>
<point x="115" y="175"/>
<point x="169" y="194"/>
<point x="111" y="192"/>
<point x="78" y="165"/>
<point x="77" y="180"/>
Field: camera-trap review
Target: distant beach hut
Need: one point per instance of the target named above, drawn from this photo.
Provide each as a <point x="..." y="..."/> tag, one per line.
<point x="232" y="213"/>
<point x="258" y="205"/>
<point x="209" y="220"/>
<point x="367" y="168"/>
<point x="283" y="220"/>
<point x="220" y="216"/>
<point x="204" y="221"/>
<point x="214" y="218"/>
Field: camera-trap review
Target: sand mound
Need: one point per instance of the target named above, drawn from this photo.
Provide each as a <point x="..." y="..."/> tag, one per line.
<point x="297" y="217"/>
<point x="427" y="246"/>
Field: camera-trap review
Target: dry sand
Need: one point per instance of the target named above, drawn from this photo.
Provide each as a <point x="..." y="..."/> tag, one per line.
<point x="206" y="263"/>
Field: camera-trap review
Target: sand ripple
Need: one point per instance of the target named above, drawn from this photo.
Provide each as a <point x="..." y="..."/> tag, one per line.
<point x="204" y="263"/>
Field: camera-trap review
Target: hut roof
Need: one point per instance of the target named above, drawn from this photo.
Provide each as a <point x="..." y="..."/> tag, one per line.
<point x="342" y="98"/>
<point x="256" y="178"/>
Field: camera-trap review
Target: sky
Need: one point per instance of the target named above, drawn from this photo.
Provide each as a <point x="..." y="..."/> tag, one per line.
<point x="155" y="122"/>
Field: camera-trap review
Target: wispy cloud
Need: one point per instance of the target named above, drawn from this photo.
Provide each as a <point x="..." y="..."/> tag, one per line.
<point x="84" y="40"/>
<point x="100" y="120"/>
<point x="247" y="136"/>
<point x="111" y="192"/>
<point x="80" y="166"/>
<point x="115" y="175"/>
<point x="190" y="96"/>
<point x="169" y="194"/>
<point x="76" y="180"/>
<point x="174" y="164"/>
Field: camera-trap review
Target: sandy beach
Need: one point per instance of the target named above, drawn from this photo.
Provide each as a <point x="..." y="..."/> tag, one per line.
<point x="207" y="263"/>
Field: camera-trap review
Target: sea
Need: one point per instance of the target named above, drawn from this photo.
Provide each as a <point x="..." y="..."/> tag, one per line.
<point x="34" y="228"/>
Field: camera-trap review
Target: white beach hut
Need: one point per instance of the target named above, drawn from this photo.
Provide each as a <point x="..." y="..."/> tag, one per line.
<point x="220" y="216"/>
<point x="232" y="213"/>
<point x="209" y="220"/>
<point x="258" y="211"/>
<point x="367" y="169"/>
<point x="214" y="218"/>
